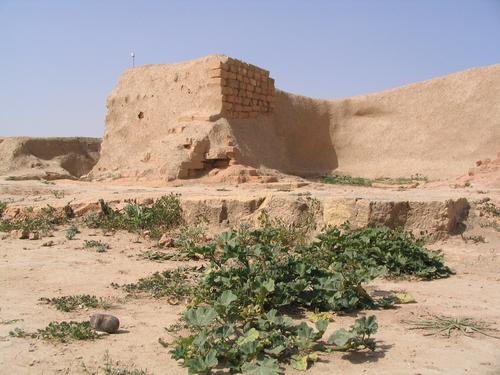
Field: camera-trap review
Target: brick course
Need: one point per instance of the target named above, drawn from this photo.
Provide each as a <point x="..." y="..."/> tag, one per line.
<point x="246" y="89"/>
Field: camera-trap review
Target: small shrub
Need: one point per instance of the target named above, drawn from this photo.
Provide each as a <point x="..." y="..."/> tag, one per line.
<point x="360" y="181"/>
<point x="99" y="246"/>
<point x="188" y="239"/>
<point x="43" y="221"/>
<point x="65" y="331"/>
<point x="346" y="180"/>
<point x="157" y="256"/>
<point x="71" y="232"/>
<point x="71" y="303"/>
<point x="177" y="283"/>
<point x="92" y="220"/>
<point x="165" y="213"/>
<point x="18" y="332"/>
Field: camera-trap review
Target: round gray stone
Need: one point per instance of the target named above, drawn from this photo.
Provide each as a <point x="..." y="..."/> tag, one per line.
<point x="105" y="323"/>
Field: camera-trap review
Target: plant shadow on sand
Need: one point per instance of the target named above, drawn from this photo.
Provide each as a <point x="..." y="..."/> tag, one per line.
<point x="368" y="356"/>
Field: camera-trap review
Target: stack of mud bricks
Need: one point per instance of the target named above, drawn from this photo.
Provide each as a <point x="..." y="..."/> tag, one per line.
<point x="246" y="89"/>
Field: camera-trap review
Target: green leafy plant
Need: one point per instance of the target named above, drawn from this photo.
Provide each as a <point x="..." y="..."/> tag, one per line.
<point x="177" y="283"/>
<point x="164" y="214"/>
<point x="65" y="331"/>
<point x="157" y="256"/>
<point x="444" y="325"/>
<point x="360" y="181"/>
<point x="224" y="338"/>
<point x="188" y="240"/>
<point x="42" y="221"/>
<point x="394" y="253"/>
<point x="19" y="332"/>
<point x="71" y="303"/>
<point x="346" y="180"/>
<point x="99" y="246"/>
<point x="71" y="232"/>
<point x="237" y="319"/>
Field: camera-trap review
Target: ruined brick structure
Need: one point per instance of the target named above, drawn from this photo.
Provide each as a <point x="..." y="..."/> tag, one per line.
<point x="219" y="117"/>
<point x="246" y="89"/>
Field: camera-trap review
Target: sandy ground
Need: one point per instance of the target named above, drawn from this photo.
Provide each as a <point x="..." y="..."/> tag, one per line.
<point x="29" y="271"/>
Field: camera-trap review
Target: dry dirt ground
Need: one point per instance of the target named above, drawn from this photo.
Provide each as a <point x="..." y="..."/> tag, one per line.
<point x="29" y="271"/>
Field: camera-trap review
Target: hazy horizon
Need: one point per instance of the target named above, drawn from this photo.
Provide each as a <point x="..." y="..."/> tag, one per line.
<point x="61" y="59"/>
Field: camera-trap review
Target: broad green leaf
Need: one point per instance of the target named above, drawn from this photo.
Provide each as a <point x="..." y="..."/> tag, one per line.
<point x="250" y="336"/>
<point x="226" y="330"/>
<point x="304" y="331"/>
<point x="321" y="326"/>
<point x="267" y="366"/>
<point x="299" y="362"/>
<point x="341" y="337"/>
<point x="268" y="285"/>
<point x="200" y="339"/>
<point x="276" y="350"/>
<point x="249" y="348"/>
<point x="366" y="325"/>
<point x="211" y="359"/>
<point x="200" y="316"/>
<point x="201" y="365"/>
<point x="226" y="298"/>
<point x="196" y="365"/>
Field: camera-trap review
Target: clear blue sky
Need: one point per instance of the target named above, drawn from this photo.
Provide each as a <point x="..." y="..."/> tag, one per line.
<point x="60" y="59"/>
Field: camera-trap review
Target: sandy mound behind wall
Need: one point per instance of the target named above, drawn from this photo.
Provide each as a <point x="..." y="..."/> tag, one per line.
<point x="47" y="158"/>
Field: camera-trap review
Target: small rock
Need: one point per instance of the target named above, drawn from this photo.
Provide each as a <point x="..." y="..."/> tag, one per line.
<point x="482" y="200"/>
<point x="20" y="234"/>
<point x="34" y="236"/>
<point x="104" y="323"/>
<point x="48" y="243"/>
<point x="166" y="241"/>
<point x="4" y="236"/>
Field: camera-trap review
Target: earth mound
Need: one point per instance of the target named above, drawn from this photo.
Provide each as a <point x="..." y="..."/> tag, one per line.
<point x="26" y="158"/>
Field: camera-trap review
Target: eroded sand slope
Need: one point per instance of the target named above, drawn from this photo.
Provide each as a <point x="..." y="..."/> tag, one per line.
<point x="47" y="158"/>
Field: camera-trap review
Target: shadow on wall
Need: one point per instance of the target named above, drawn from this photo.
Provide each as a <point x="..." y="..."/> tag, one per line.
<point x="295" y="139"/>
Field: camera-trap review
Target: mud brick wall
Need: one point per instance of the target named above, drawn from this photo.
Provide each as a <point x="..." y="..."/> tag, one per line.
<point x="246" y="89"/>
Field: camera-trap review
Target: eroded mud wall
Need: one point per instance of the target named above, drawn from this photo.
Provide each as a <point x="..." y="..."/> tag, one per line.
<point x="182" y="120"/>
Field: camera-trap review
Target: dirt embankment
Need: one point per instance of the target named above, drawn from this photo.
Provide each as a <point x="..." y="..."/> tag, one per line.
<point x="28" y="158"/>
